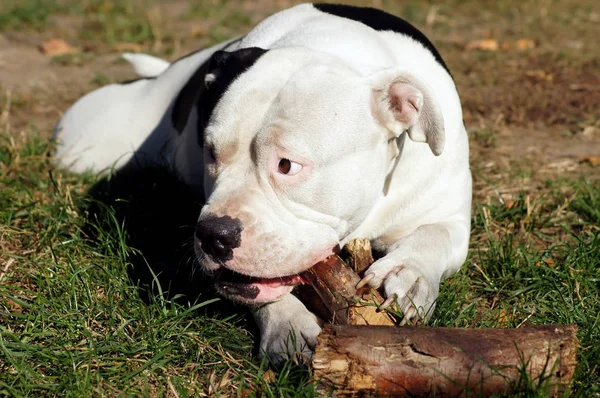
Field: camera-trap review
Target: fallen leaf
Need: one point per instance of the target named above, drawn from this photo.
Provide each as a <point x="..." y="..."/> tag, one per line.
<point x="548" y="262"/>
<point x="199" y="31"/>
<point x="583" y="87"/>
<point x="574" y="44"/>
<point x="504" y="318"/>
<point x="593" y="160"/>
<point x="15" y="307"/>
<point x="539" y="74"/>
<point x="128" y="47"/>
<point x="269" y="376"/>
<point x="519" y="45"/>
<point x="56" y="47"/>
<point x="524" y="44"/>
<point x="483" y="45"/>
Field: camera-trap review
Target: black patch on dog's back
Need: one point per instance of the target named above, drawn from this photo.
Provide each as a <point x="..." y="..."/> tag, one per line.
<point x="202" y="49"/>
<point x="381" y="21"/>
<point x="226" y="66"/>
<point x="187" y="97"/>
<point x="177" y="60"/>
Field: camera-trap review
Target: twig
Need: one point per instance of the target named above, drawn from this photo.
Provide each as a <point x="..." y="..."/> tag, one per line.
<point x="6" y="266"/>
<point x="172" y="388"/>
<point x="5" y="115"/>
<point x="525" y="320"/>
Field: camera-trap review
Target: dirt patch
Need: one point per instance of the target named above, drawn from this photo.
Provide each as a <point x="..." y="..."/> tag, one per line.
<point x="537" y="90"/>
<point x="40" y="88"/>
<point x="523" y="109"/>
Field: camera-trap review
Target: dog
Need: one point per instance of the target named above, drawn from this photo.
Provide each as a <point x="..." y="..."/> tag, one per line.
<point x="324" y="123"/>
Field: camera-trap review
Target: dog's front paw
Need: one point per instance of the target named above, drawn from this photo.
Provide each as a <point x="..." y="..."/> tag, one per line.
<point x="290" y="334"/>
<point x="404" y="283"/>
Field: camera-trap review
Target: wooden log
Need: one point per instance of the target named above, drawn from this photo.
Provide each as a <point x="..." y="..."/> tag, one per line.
<point x="420" y="361"/>
<point x="360" y="255"/>
<point x="333" y="296"/>
<point x="424" y="361"/>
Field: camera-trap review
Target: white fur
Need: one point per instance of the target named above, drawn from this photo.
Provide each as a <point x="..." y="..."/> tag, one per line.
<point x="146" y="65"/>
<point x="104" y="129"/>
<point x="326" y="96"/>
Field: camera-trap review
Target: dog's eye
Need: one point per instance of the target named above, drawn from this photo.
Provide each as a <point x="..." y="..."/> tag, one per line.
<point x="209" y="154"/>
<point x="288" y="167"/>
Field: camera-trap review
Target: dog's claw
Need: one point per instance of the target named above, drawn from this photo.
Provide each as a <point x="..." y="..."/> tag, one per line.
<point x="364" y="281"/>
<point x="388" y="301"/>
<point x="408" y="315"/>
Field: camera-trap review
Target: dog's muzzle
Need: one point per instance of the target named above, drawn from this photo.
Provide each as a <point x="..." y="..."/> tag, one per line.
<point x="216" y="239"/>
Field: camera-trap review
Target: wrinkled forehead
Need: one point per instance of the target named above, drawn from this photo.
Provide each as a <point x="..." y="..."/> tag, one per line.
<point x="282" y="84"/>
<point x="317" y="91"/>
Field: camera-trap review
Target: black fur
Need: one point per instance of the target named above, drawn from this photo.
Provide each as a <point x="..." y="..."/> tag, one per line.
<point x="226" y="66"/>
<point x="380" y="20"/>
<point x="234" y="42"/>
<point x="187" y="97"/>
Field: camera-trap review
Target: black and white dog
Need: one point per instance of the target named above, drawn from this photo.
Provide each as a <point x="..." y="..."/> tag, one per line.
<point x="324" y="123"/>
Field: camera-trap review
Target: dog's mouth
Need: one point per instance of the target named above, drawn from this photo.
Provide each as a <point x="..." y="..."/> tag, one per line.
<point x="252" y="290"/>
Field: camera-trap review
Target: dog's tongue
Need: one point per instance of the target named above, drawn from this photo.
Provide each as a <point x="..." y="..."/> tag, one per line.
<point x="273" y="289"/>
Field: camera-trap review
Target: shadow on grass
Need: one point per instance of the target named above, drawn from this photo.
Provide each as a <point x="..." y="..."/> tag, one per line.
<point x="151" y="211"/>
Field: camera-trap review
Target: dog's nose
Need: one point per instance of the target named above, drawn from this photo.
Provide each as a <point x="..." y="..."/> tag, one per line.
<point x="218" y="236"/>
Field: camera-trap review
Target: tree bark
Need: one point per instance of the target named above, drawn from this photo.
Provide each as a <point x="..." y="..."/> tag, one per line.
<point x="424" y="361"/>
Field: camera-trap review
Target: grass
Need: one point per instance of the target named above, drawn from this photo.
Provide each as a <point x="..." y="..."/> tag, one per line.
<point x="73" y="322"/>
<point x="519" y="274"/>
<point x="77" y="320"/>
<point x="18" y="14"/>
<point x="115" y="22"/>
<point x="95" y="301"/>
<point x="109" y="20"/>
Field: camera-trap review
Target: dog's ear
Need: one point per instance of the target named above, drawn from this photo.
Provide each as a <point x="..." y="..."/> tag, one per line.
<point x="209" y="82"/>
<point x="403" y="102"/>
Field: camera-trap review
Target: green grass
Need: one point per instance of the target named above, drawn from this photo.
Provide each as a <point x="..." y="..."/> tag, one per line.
<point x="75" y="321"/>
<point x="518" y="275"/>
<point x="110" y="21"/>
<point x="225" y="17"/>
<point x="95" y="302"/>
<point x="19" y="14"/>
<point x="114" y="21"/>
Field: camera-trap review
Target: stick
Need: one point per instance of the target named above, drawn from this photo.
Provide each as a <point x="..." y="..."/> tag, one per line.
<point x="332" y="292"/>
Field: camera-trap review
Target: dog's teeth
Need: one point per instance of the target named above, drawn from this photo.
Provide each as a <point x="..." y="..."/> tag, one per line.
<point x="364" y="281"/>
<point x="389" y="301"/>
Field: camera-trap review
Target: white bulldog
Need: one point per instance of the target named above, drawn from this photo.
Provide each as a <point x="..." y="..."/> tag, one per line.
<point x="296" y="135"/>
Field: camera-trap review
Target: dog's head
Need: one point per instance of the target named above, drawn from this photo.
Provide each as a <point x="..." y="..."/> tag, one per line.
<point x="297" y="146"/>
